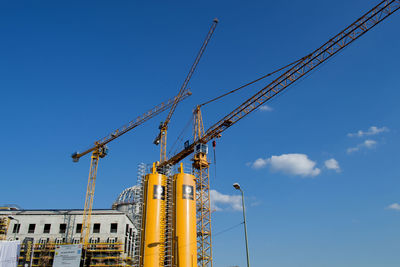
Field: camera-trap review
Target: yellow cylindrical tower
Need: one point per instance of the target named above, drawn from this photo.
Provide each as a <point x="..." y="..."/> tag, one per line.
<point x="154" y="220"/>
<point x="185" y="220"/>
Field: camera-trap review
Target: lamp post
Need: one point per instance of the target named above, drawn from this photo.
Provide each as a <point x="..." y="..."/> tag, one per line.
<point x="12" y="218"/>
<point x="237" y="187"/>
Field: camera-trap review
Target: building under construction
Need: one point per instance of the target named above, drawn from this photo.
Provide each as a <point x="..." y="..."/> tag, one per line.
<point x="112" y="235"/>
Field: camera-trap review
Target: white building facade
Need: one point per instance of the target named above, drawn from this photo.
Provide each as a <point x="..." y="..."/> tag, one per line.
<point x="112" y="233"/>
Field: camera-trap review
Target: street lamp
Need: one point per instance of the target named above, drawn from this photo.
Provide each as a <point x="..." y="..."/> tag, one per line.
<point x="12" y="218"/>
<point x="237" y="187"/>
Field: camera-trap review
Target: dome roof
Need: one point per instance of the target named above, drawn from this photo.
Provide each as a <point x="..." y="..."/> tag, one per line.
<point x="127" y="196"/>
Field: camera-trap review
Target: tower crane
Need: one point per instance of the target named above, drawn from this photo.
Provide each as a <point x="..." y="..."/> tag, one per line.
<point x="99" y="150"/>
<point x="297" y="70"/>
<point x="162" y="136"/>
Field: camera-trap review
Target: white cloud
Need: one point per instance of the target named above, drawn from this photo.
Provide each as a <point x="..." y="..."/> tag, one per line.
<point x="259" y="163"/>
<point x="220" y="201"/>
<point x="373" y="130"/>
<point x="266" y="108"/>
<point x="332" y="164"/>
<point x="292" y="164"/>
<point x="352" y="149"/>
<point x="394" y="206"/>
<point x="369" y="144"/>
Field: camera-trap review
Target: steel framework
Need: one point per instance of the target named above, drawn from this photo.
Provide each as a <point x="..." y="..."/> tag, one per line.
<point x="162" y="136"/>
<point x="131" y="125"/>
<point x="203" y="213"/>
<point x="87" y="211"/>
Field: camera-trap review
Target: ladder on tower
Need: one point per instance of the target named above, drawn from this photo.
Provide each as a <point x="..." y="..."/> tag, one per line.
<point x="169" y="218"/>
<point x="138" y="214"/>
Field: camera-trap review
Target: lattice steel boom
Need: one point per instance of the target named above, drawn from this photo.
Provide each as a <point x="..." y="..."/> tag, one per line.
<point x="132" y="124"/>
<point x="299" y="70"/>
<point x="162" y="136"/>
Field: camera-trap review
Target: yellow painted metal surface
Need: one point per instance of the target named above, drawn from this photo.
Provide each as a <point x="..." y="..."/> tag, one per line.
<point x="185" y="223"/>
<point x="154" y="219"/>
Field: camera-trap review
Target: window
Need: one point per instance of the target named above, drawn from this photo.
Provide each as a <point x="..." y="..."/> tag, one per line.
<point x="93" y="241"/>
<point x="76" y="241"/>
<point x="63" y="228"/>
<point x="112" y="239"/>
<point x="60" y="240"/>
<point x="31" y="228"/>
<point x="127" y="229"/>
<point x="16" y="228"/>
<point x="46" y="228"/>
<point x="96" y="228"/>
<point x="78" y="228"/>
<point x="43" y="242"/>
<point x="114" y="228"/>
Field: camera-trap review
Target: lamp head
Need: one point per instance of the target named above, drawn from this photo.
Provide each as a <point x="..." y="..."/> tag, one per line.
<point x="236" y="186"/>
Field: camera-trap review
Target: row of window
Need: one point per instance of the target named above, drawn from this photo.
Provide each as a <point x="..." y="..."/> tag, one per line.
<point x="63" y="240"/>
<point x="63" y="228"/>
<point x="92" y="240"/>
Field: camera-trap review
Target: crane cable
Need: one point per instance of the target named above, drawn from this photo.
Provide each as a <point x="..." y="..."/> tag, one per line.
<point x="214" y="144"/>
<point x="237" y="89"/>
<point x="254" y="81"/>
<point x="180" y="137"/>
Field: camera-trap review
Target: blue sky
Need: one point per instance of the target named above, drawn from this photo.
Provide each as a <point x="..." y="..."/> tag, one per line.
<point x="73" y="71"/>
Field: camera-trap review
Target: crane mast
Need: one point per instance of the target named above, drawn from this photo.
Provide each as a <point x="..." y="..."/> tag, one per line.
<point x="162" y="136"/>
<point x="293" y="74"/>
<point x="202" y="174"/>
<point x="100" y="150"/>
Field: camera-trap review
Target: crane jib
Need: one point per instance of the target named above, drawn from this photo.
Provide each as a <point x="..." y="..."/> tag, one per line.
<point x="299" y="70"/>
<point x="131" y="125"/>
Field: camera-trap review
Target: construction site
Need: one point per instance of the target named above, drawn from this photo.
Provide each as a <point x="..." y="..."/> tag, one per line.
<point x="164" y="216"/>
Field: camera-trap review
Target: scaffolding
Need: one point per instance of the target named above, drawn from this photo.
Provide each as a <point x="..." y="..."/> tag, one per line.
<point x="108" y="254"/>
<point x="138" y="215"/>
<point x="4" y="223"/>
<point x="168" y="224"/>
